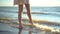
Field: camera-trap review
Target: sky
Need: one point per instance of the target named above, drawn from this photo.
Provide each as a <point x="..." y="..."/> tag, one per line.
<point x="33" y="2"/>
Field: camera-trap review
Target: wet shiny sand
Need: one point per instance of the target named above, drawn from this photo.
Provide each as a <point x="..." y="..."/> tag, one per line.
<point x="7" y="29"/>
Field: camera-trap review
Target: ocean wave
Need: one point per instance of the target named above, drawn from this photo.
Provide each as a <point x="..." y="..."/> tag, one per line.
<point x="51" y="13"/>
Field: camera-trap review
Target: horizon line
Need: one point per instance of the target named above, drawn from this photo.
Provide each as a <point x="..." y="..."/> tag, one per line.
<point x="31" y="6"/>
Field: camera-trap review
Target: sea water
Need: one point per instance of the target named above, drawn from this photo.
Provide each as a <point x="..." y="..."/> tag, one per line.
<point x="50" y="13"/>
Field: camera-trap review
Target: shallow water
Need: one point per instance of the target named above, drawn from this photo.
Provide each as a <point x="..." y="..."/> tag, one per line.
<point x="51" y="14"/>
<point x="29" y="30"/>
<point x="26" y="29"/>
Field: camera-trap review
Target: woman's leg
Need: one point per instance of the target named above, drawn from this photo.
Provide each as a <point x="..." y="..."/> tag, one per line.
<point x="20" y="15"/>
<point x="28" y="13"/>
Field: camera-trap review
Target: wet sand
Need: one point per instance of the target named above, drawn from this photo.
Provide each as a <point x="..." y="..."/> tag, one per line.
<point x="6" y="27"/>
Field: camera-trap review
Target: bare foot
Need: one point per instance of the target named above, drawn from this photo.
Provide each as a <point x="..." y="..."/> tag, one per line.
<point x="20" y="27"/>
<point x="31" y="22"/>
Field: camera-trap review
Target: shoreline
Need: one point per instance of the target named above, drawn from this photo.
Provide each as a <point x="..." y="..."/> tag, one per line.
<point x="14" y="24"/>
<point x="34" y="20"/>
